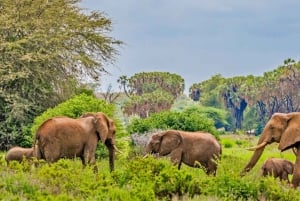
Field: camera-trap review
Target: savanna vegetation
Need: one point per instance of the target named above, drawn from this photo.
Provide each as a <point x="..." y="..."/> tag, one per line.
<point x="51" y="67"/>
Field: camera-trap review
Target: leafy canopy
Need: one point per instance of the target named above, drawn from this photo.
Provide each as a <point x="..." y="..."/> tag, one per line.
<point x="47" y="48"/>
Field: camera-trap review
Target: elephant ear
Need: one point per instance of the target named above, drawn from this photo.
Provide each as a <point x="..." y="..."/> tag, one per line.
<point x="102" y="126"/>
<point x="111" y="128"/>
<point x="291" y="134"/>
<point x="170" y="141"/>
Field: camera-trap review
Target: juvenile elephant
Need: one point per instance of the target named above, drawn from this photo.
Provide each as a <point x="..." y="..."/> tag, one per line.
<point x="283" y="128"/>
<point x="18" y="154"/>
<point x="278" y="167"/>
<point x="187" y="147"/>
<point x="63" y="137"/>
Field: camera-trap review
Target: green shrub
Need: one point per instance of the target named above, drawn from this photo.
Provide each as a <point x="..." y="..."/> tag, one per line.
<point x="77" y="106"/>
<point x="273" y="189"/>
<point x="219" y="116"/>
<point x="172" y="120"/>
<point x="227" y="143"/>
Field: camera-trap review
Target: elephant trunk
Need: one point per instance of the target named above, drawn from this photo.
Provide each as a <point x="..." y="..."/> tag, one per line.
<point x="112" y="159"/>
<point x="256" y="155"/>
<point x="111" y="152"/>
<point x="258" y="150"/>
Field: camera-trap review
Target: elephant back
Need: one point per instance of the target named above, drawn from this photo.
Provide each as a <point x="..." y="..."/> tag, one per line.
<point x="205" y="142"/>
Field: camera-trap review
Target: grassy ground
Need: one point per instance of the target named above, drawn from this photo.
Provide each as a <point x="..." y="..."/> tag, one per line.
<point x="137" y="178"/>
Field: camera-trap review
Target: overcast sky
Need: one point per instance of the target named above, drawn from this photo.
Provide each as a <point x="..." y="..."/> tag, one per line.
<point x="197" y="39"/>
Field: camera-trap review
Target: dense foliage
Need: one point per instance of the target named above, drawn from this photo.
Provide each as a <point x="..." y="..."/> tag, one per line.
<point x="185" y="121"/>
<point x="147" y="82"/>
<point x="75" y="107"/>
<point x="148" y="103"/>
<point x="236" y="94"/>
<point x="220" y="117"/>
<point x="150" y="92"/>
<point x="47" y="49"/>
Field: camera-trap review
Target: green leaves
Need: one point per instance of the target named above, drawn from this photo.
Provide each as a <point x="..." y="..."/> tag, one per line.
<point x="46" y="49"/>
<point x="74" y="108"/>
<point x="151" y="92"/>
<point x="173" y="120"/>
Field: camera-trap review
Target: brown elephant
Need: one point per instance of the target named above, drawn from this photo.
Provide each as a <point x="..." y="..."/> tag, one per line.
<point x="19" y="154"/>
<point x="278" y="168"/>
<point x="283" y="128"/>
<point x="190" y="148"/>
<point x="64" y="137"/>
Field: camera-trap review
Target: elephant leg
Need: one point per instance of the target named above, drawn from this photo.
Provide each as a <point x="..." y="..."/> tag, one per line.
<point x="89" y="158"/>
<point x="51" y="154"/>
<point x="82" y="161"/>
<point x="176" y="157"/>
<point x="211" y="168"/>
<point x="296" y="173"/>
<point x="284" y="176"/>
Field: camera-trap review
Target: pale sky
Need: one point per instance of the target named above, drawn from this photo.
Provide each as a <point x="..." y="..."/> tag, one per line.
<point x="197" y="39"/>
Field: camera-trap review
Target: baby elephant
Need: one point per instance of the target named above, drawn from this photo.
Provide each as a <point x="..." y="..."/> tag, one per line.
<point x="191" y="148"/>
<point x="278" y="167"/>
<point x="18" y="154"/>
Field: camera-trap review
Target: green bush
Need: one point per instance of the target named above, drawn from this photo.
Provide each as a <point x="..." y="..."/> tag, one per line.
<point x="77" y="106"/>
<point x="219" y="116"/>
<point x="227" y="143"/>
<point x="172" y="120"/>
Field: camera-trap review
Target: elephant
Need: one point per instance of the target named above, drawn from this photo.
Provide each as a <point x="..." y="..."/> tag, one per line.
<point x="190" y="148"/>
<point x="278" y="167"/>
<point x="19" y="154"/>
<point x="64" y="137"/>
<point x="283" y="128"/>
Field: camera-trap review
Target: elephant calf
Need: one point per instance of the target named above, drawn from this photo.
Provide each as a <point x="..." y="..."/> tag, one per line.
<point x="278" y="167"/>
<point x="190" y="148"/>
<point x="18" y="154"/>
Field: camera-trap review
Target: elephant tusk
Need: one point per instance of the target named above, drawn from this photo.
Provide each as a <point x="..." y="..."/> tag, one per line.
<point x="257" y="146"/>
<point x="117" y="149"/>
<point x="295" y="150"/>
<point x="146" y="155"/>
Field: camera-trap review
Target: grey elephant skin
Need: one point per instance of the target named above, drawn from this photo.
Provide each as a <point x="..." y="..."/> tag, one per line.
<point x="19" y="154"/>
<point x="278" y="168"/>
<point x="190" y="148"/>
<point x="64" y="137"/>
<point x="283" y="128"/>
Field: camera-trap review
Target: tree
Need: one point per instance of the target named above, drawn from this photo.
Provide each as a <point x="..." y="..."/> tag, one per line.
<point x="150" y="92"/>
<point x="47" y="48"/>
<point x="209" y="91"/>
<point x="234" y="99"/>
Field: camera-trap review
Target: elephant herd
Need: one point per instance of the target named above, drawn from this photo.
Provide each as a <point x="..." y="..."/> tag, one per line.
<point x="63" y="137"/>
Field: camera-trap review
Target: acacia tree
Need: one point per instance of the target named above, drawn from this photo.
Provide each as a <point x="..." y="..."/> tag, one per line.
<point x="47" y="48"/>
<point x="150" y="92"/>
